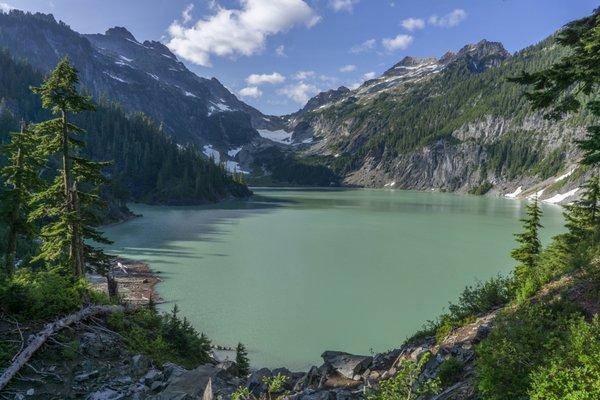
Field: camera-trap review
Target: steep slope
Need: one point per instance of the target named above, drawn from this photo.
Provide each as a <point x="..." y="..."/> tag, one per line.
<point x="453" y="123"/>
<point x="143" y="77"/>
<point x="147" y="165"/>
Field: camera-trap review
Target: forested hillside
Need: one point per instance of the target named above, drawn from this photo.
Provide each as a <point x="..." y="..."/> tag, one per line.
<point x="147" y="165"/>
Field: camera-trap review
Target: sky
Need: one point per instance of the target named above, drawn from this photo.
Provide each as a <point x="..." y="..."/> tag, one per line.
<point x="275" y="54"/>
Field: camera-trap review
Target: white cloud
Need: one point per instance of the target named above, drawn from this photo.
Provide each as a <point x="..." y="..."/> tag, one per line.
<point x="280" y="51"/>
<point x="348" y="68"/>
<point x="259" y="79"/>
<point x="449" y="20"/>
<point x="300" y="92"/>
<point x="412" y="24"/>
<point x="330" y="80"/>
<point x="186" y="15"/>
<point x="343" y="5"/>
<point x="364" y="46"/>
<point x="302" y="75"/>
<point x="251" y="91"/>
<point x="5" y="8"/>
<point x="369" y="76"/>
<point x="244" y="31"/>
<point x="399" y="42"/>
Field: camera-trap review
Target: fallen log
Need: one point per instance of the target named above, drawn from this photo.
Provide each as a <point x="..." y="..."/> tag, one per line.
<point x="50" y="329"/>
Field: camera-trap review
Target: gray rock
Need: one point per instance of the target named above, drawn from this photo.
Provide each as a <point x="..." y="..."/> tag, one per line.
<point x="192" y="383"/>
<point x="86" y="376"/>
<point x="106" y="394"/>
<point x="139" y="365"/>
<point x="345" y="364"/>
<point x="152" y="376"/>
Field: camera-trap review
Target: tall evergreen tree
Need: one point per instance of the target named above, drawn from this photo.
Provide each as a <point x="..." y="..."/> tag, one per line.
<point x="565" y="87"/>
<point x="21" y="179"/>
<point x="241" y="361"/>
<point x="67" y="205"/>
<point x="583" y="216"/>
<point x="528" y="251"/>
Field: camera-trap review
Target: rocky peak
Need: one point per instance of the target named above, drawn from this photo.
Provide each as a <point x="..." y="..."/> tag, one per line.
<point x="483" y="55"/>
<point x="325" y="97"/>
<point x="412" y="66"/>
<point x="121" y="32"/>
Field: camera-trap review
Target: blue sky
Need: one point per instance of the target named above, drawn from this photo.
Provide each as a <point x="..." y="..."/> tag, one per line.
<point x="273" y="54"/>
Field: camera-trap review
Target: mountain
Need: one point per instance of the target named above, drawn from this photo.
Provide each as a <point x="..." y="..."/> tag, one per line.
<point x="452" y="123"/>
<point x="147" y="165"/>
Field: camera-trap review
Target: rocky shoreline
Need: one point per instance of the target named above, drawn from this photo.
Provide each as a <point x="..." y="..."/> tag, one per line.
<point x="136" y="281"/>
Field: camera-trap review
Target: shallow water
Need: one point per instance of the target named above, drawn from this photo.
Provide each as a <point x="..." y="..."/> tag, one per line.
<point x="295" y="272"/>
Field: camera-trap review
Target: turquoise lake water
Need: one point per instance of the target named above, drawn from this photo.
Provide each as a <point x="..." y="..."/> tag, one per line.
<point x="292" y="272"/>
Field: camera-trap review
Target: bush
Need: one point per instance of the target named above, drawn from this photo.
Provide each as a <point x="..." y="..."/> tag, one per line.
<point x="481" y="298"/>
<point x="40" y="295"/>
<point x="573" y="372"/>
<point x="521" y="342"/>
<point x="474" y="301"/>
<point x="164" y="338"/>
<point x="450" y="371"/>
<point x="406" y="385"/>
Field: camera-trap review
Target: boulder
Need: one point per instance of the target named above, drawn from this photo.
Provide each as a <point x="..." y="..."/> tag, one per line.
<point x="106" y="394"/>
<point x="345" y="364"/>
<point x="184" y="384"/>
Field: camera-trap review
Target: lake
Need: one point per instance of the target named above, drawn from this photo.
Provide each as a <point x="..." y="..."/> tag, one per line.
<point x="293" y="272"/>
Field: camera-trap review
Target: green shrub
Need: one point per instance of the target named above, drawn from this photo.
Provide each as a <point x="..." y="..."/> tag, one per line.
<point x="450" y="371"/>
<point x="7" y="351"/>
<point x="481" y="298"/>
<point x="573" y="372"/>
<point x="406" y="385"/>
<point x="521" y="342"/>
<point x="474" y="301"/>
<point x="164" y="338"/>
<point x="39" y="295"/>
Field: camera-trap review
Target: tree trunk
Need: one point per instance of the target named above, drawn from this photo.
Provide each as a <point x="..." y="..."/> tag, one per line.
<point x="70" y="194"/>
<point x="50" y="329"/>
<point x="13" y="218"/>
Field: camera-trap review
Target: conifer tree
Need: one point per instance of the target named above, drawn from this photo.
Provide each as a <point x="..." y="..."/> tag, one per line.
<point x="241" y="361"/>
<point x="68" y="204"/>
<point x="565" y="87"/>
<point x="529" y="243"/>
<point x="583" y="216"/>
<point x="21" y="179"/>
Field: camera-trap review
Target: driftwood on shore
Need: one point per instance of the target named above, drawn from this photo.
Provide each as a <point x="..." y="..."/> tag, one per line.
<point x="50" y="329"/>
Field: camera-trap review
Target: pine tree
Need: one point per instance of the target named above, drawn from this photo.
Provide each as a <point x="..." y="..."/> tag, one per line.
<point x="69" y="203"/>
<point x="530" y="246"/>
<point x="583" y="216"/>
<point x="21" y="178"/>
<point x="564" y="87"/>
<point x="241" y="361"/>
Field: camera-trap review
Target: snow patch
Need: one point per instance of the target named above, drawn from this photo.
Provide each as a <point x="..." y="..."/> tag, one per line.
<point x="536" y="195"/>
<point x="306" y="141"/>
<point x="279" y="136"/>
<point x="234" y="167"/>
<point x="557" y="198"/>
<point x="189" y="94"/>
<point x="218" y="107"/>
<point x="210" y="152"/>
<point x="115" y="77"/>
<point x="562" y="177"/>
<point x="125" y="58"/>
<point x="390" y="184"/>
<point x="153" y="76"/>
<point x="514" y="194"/>
<point x="234" y="152"/>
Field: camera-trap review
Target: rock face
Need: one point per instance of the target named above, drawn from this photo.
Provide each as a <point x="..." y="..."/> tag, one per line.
<point x="347" y="365"/>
